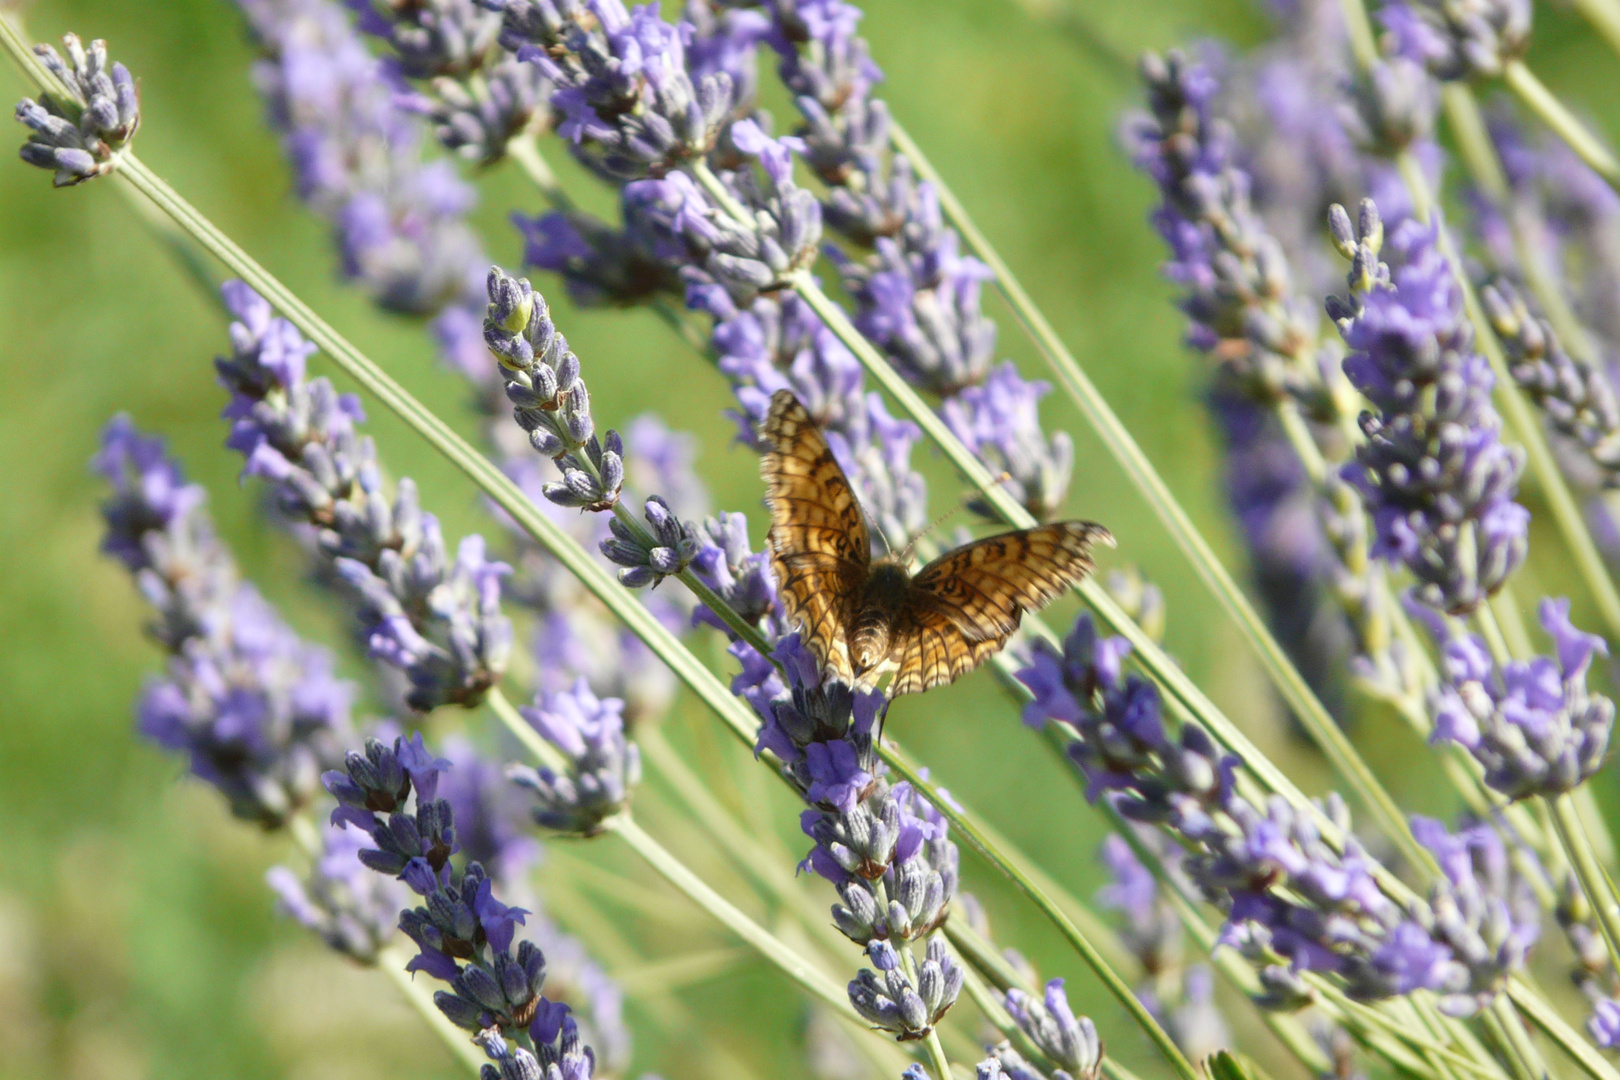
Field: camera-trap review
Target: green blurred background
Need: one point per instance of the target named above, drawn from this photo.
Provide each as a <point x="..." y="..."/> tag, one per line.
<point x="136" y="936"/>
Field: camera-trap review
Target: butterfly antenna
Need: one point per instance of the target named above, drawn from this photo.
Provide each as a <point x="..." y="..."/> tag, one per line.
<point x="877" y="526"/>
<point x="905" y="556"/>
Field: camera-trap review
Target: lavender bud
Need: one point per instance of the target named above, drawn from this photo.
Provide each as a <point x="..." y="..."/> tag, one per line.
<point x="603" y="767"/>
<point x="648" y="557"/>
<point x="79" y="136"/>
<point x="1070" y="1043"/>
<point x="1468" y="40"/>
<point x="1533" y="725"/>
<point x="431" y="38"/>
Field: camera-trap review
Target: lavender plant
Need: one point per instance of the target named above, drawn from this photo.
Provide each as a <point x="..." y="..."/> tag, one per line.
<point x="1423" y="964"/>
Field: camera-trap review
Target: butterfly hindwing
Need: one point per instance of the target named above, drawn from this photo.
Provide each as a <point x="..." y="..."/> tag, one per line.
<point x="820" y="548"/>
<point x="962" y="607"/>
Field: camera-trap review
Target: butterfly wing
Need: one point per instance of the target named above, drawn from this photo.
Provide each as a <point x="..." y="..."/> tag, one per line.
<point x="820" y="549"/>
<point x="962" y="607"/>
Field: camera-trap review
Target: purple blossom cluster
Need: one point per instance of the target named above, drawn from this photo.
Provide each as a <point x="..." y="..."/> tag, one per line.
<point x="885" y="849"/>
<point x="917" y="296"/>
<point x="1286" y="892"/>
<point x="603" y="767"/>
<point x="1532" y="724"/>
<point x="1433" y="471"/>
<point x="255" y="709"/>
<point x="1180" y="996"/>
<point x="465" y="934"/>
<point x="1240" y="299"/>
<point x="356" y="152"/>
<point x="354" y="910"/>
<point x="79" y="137"/>
<point x="438" y="621"/>
<point x="1459" y="41"/>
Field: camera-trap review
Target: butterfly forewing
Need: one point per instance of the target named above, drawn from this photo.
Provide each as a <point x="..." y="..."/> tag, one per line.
<point x="820" y="549"/>
<point x="962" y="607"/>
<point x="954" y="615"/>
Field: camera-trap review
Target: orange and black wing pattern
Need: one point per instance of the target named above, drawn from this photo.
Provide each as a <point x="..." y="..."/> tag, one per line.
<point x="962" y="607"/>
<point x="820" y="549"/>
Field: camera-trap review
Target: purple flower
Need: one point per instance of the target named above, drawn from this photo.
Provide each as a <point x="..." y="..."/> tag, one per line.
<point x="1333" y="918"/>
<point x="1435" y="476"/>
<point x="629" y="104"/>
<point x="1483" y="909"/>
<point x="1240" y="300"/>
<point x="80" y="136"/>
<point x="603" y="767"/>
<point x="549" y="399"/>
<point x="997" y="419"/>
<point x="437" y="620"/>
<point x="1150" y="927"/>
<point x="351" y="908"/>
<point x="1070" y="1042"/>
<point x="1604" y="1023"/>
<point x="1532" y="724"/>
<point x="255" y="708"/>
<point x="1459" y="41"/>
<point x="891" y="1000"/>
<point x="465" y="933"/>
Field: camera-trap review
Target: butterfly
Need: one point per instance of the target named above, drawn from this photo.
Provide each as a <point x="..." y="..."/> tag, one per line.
<point x="861" y="618"/>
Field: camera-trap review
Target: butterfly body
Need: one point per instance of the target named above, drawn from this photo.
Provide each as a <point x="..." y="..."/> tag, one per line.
<point x="870" y="631"/>
<point x="862" y="617"/>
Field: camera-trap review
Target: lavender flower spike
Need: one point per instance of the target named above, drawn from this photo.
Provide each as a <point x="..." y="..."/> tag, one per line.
<point x="466" y="935"/>
<point x="629" y="103"/>
<point x="604" y="767"/>
<point x="1532" y="724"/>
<point x="437" y="620"/>
<point x="255" y="709"/>
<point x="1578" y="398"/>
<point x="353" y="909"/>
<point x="1459" y="40"/>
<point x="1433" y="471"/>
<point x="1071" y="1043"/>
<point x="549" y="400"/>
<point x="81" y="135"/>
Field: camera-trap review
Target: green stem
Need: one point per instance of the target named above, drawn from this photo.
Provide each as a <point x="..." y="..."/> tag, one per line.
<point x="1541" y="1013"/>
<point x="1541" y="101"/>
<point x="1588" y="872"/>
<point x="520" y="729"/>
<point x="1111" y="979"/>
<point x="392" y="961"/>
<point x="1144" y="478"/>
<point x="1604" y="15"/>
<point x="725" y="912"/>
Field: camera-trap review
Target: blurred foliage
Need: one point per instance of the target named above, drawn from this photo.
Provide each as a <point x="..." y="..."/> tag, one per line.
<point x="136" y="937"/>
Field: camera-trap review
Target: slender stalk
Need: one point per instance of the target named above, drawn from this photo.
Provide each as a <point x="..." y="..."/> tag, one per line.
<point x="1593" y="881"/>
<point x="1146" y="480"/>
<point x="1541" y="1013"/>
<point x="1078" y="941"/>
<point x="1556" y="115"/>
<point x="1604" y="15"/>
<point x="772" y="948"/>
<point x="392" y="962"/>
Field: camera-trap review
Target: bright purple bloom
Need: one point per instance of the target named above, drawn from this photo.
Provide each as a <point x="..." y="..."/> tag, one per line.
<point x="1433" y="471"/>
<point x="80" y="137"/>
<point x="604" y="767"/>
<point x="256" y="709"/>
<point x="436" y="619"/>
<point x="1532" y="724"/>
<point x="351" y="908"/>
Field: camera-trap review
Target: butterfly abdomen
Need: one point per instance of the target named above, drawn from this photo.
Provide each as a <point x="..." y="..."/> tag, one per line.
<point x="871" y="636"/>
